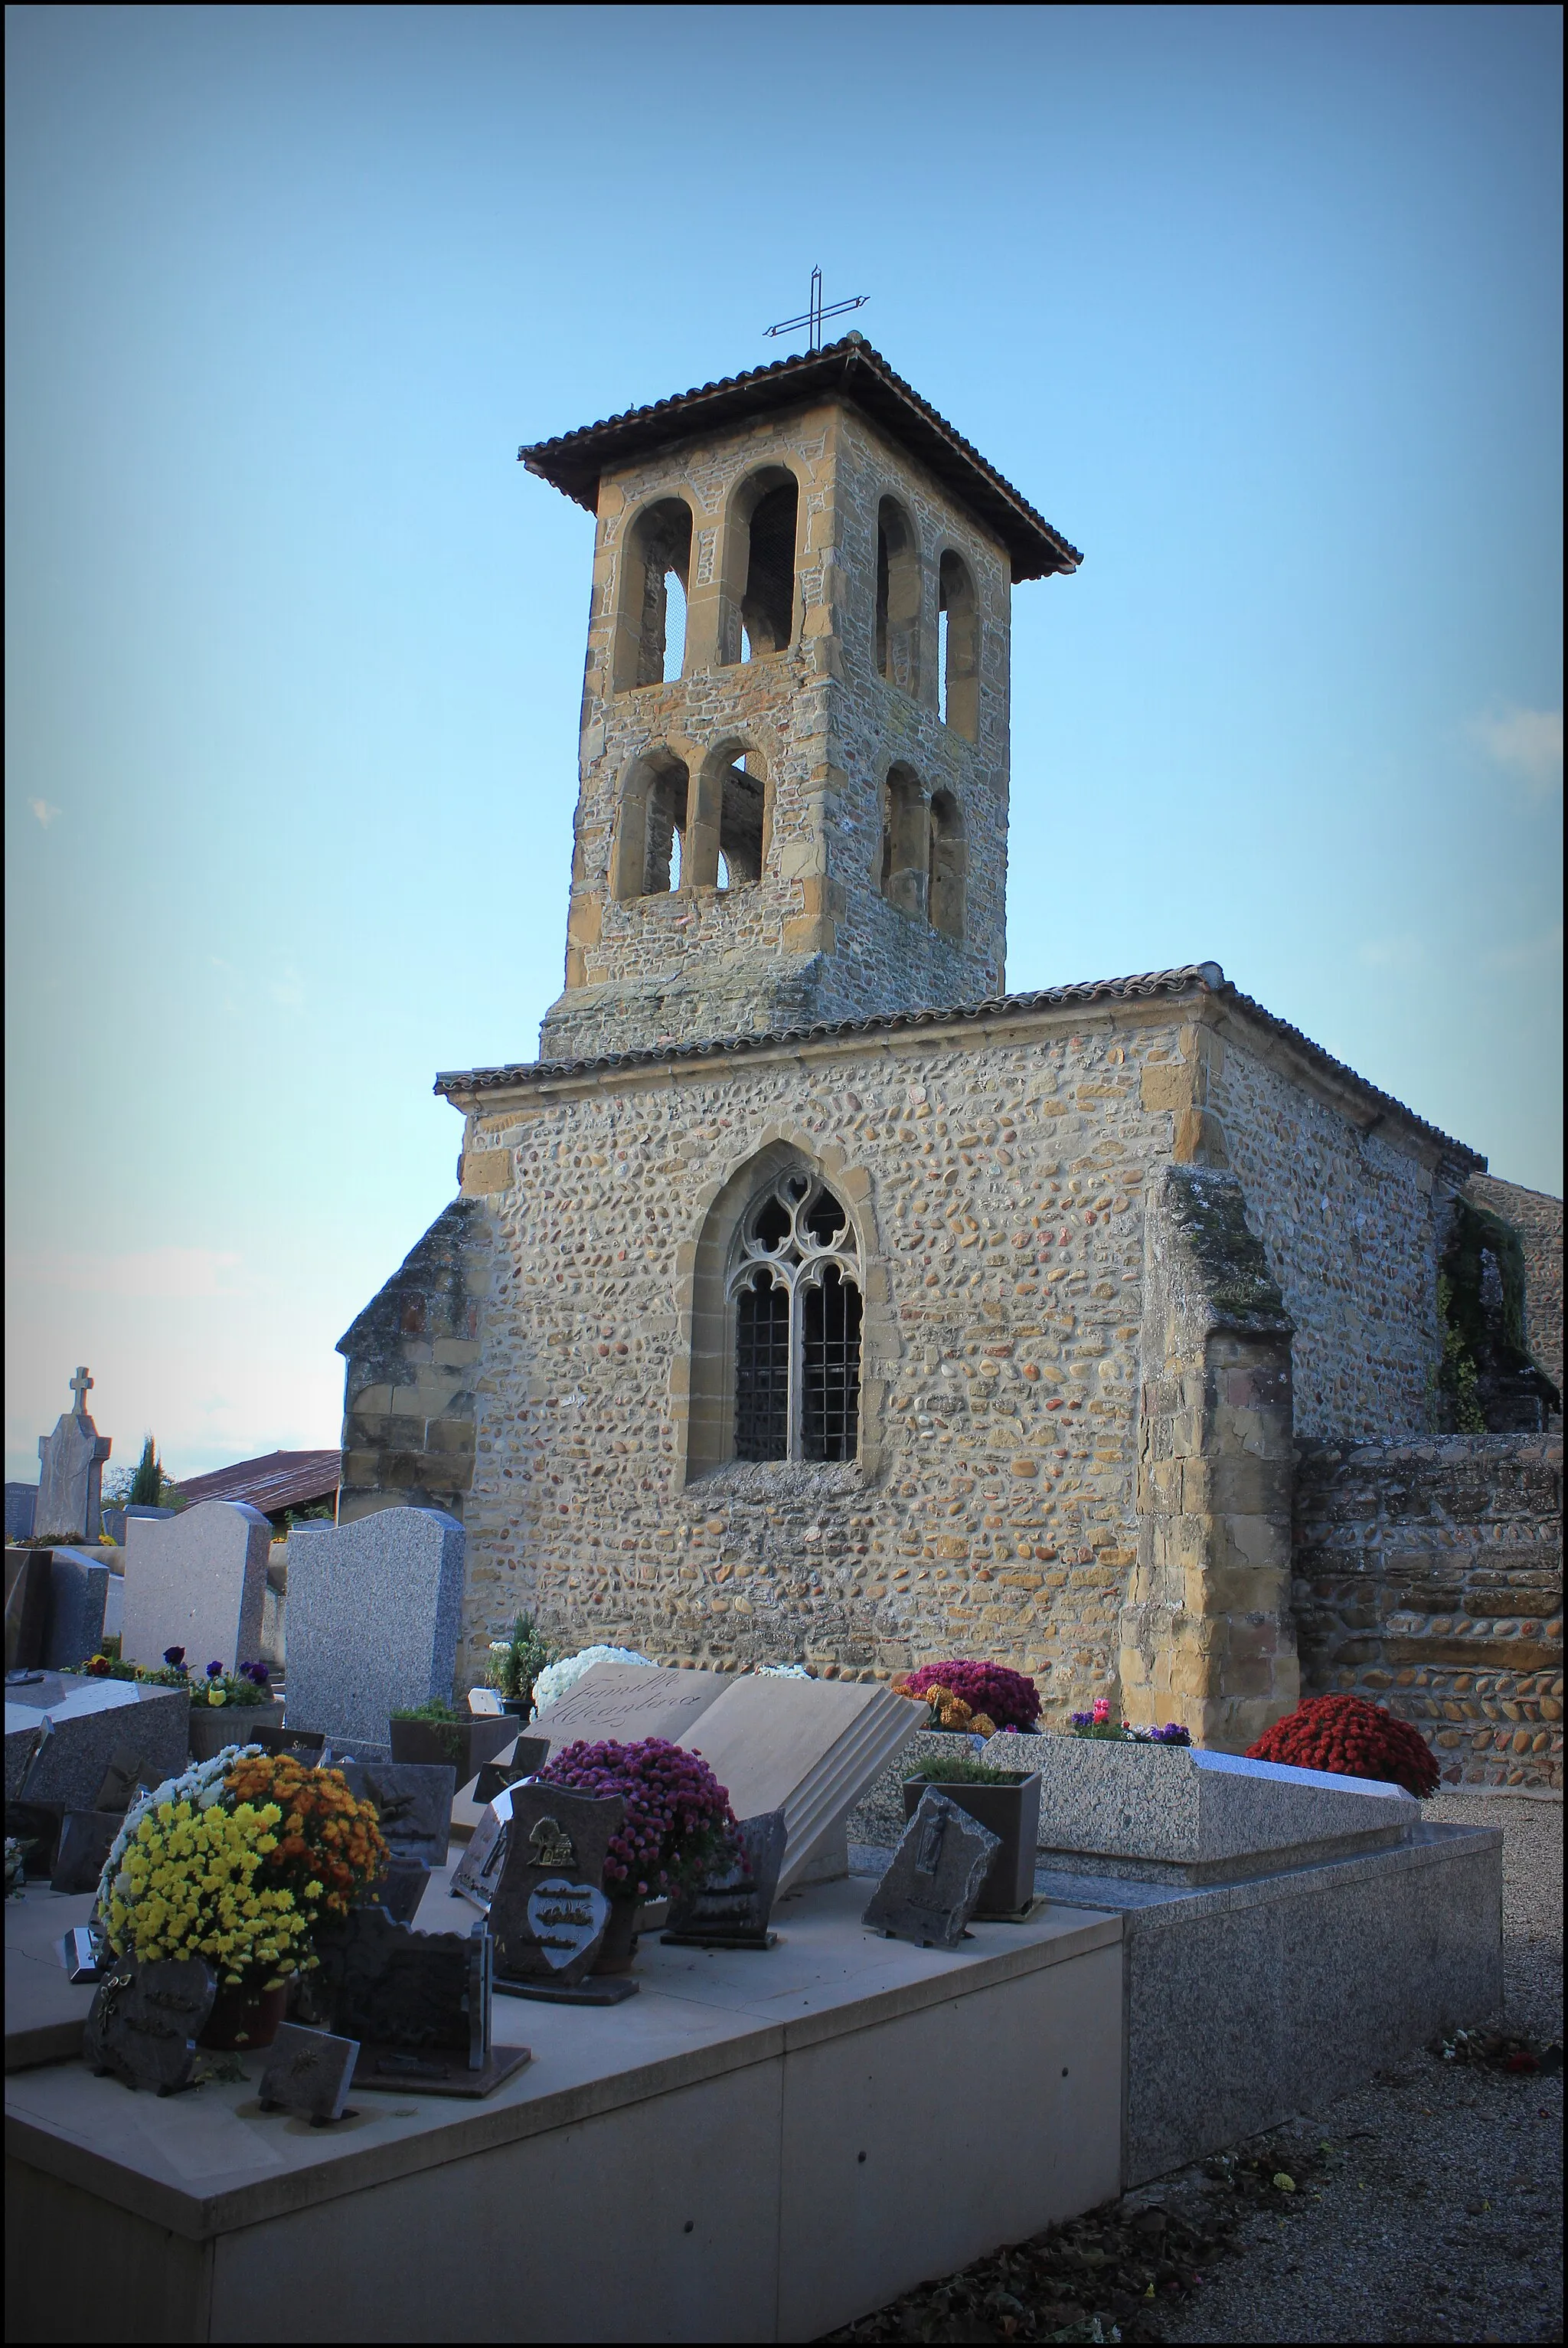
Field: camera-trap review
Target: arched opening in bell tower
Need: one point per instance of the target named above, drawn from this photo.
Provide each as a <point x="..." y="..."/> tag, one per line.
<point x="897" y="598"/>
<point x="765" y="518"/>
<point x="651" y="833"/>
<point x="650" y="645"/>
<point x="958" y="623"/>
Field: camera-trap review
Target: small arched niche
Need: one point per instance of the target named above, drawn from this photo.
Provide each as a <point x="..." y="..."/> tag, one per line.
<point x="729" y="831"/>
<point x="897" y="598"/>
<point x="650" y="858"/>
<point x="906" y="855"/>
<point x="958" y="629"/>
<point x="649" y="641"/>
<point x="948" y="868"/>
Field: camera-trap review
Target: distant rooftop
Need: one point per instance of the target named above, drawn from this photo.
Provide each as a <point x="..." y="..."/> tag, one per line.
<point x="278" y="1480"/>
<point x="851" y="370"/>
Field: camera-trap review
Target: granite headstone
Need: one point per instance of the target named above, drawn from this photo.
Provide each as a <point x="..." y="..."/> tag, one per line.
<point x="70" y="1474"/>
<point x="88" y="1721"/>
<point x="309" y="2072"/>
<point x="146" y="2019"/>
<point x="939" y="1871"/>
<point x="21" y="1508"/>
<point x="374" y="1616"/>
<point x="79" y="1592"/>
<point x="86" y="1837"/>
<point x="26" y="1608"/>
<point x="196" y="1581"/>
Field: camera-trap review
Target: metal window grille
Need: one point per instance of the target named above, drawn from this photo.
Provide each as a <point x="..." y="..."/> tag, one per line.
<point x="830" y="1368"/>
<point x="762" y="1370"/>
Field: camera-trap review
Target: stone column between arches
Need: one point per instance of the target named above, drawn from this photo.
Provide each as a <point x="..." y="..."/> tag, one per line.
<point x="1207" y="1635"/>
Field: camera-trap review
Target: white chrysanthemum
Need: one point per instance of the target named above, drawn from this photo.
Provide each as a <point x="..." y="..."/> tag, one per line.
<point x="783" y="1672"/>
<point x="202" y="1785"/>
<point x="557" y="1679"/>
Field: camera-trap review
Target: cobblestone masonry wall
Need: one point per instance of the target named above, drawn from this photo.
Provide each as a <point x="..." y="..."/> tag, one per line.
<point x="1428" y="1577"/>
<point x="1350" y="1220"/>
<point x="1538" y="1219"/>
<point x="998" y="1171"/>
<point x="814" y="938"/>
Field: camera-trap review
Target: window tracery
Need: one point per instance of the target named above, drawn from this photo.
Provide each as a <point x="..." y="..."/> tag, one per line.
<point x="795" y="1285"/>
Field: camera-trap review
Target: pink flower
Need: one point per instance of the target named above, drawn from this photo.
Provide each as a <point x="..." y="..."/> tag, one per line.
<point x="1101" y="1710"/>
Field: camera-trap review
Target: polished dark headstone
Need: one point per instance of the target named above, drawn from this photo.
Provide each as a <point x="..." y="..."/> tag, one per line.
<point x="26" y="1607"/>
<point x="84" y="1844"/>
<point x="530" y="1755"/>
<point x="303" y="1743"/>
<point x="478" y="1870"/>
<point x="37" y="1824"/>
<point x="549" y="1909"/>
<point x="145" y="2020"/>
<point x="124" y="1779"/>
<point x="308" y="2071"/>
<point x="939" y="1871"/>
<point x="730" y="1908"/>
<point x="418" y="2002"/>
<point x="413" y="1802"/>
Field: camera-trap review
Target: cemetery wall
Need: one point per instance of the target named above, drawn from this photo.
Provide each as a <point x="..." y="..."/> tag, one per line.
<point x="996" y="1174"/>
<point x="1428" y="1577"/>
<point x="1537" y="1216"/>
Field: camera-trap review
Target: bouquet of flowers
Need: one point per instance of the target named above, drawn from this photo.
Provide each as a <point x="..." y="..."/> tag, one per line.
<point x="981" y="1698"/>
<point x="330" y="1849"/>
<point x="251" y="1684"/>
<point x="676" y="1819"/>
<point x="191" y="1882"/>
<point x="516" y="1661"/>
<point x="1098" y="1723"/>
<point x="1352" y="1739"/>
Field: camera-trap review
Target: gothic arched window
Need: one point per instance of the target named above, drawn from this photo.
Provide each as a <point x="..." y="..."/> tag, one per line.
<point x="797" y="1289"/>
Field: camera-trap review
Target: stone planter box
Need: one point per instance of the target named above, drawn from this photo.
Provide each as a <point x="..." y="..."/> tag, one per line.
<point x="462" y="1745"/>
<point x="212" y="1726"/>
<point x="1011" y="1811"/>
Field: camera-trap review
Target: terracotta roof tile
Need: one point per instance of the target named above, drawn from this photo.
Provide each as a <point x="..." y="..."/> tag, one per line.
<point x="278" y="1480"/>
<point x="573" y="461"/>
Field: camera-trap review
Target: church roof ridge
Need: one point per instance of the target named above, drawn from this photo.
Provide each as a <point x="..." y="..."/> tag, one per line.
<point x="573" y="461"/>
<point x="1141" y="986"/>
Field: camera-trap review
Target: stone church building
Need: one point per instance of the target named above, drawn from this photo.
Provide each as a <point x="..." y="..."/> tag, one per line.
<point x="810" y="1295"/>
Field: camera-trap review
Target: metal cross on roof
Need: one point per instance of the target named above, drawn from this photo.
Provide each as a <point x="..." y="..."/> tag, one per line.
<point x="814" y="317"/>
<point x="79" y="1385"/>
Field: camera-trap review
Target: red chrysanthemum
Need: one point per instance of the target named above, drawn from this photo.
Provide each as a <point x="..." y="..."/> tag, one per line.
<point x="1351" y="1738"/>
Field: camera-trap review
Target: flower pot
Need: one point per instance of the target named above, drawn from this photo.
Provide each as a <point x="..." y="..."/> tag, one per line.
<point x="461" y="1745"/>
<point x="244" y="2017"/>
<point x="214" y="1726"/>
<point x="619" y="1946"/>
<point x="1011" y="1811"/>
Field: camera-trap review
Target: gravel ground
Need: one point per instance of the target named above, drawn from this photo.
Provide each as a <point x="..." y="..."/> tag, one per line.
<point x="1429" y="2201"/>
<point x="1445" y="2221"/>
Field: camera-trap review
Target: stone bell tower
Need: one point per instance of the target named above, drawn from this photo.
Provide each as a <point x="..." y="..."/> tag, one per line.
<point x="792" y="794"/>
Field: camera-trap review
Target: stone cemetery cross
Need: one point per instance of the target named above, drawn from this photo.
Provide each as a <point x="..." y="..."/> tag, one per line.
<point x="70" y="1476"/>
<point x="80" y="1385"/>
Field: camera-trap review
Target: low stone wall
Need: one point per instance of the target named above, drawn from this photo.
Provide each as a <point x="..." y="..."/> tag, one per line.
<point x="1428" y="1577"/>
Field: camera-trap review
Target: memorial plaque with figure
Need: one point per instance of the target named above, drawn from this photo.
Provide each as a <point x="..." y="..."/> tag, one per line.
<point x="413" y="1802"/>
<point x="550" y="1908"/>
<point x="309" y="2072"/>
<point x="478" y="1870"/>
<point x="939" y="1871"/>
<point x="730" y="1908"/>
<point x="146" y="2019"/>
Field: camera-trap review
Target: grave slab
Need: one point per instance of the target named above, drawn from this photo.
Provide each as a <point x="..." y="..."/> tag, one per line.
<point x="767" y="2225"/>
<point x="1176" y="1814"/>
<point x="808" y="1747"/>
<point x="373" y="1621"/>
<point x="79" y="1594"/>
<point x="196" y="1581"/>
<point x="87" y="1723"/>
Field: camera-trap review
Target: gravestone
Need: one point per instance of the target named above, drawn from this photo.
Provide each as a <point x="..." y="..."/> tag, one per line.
<point x="21" y="1506"/>
<point x="309" y="2072"/>
<point x="146" y="2019"/>
<point x="115" y="1519"/>
<point x="418" y="2002"/>
<point x="413" y="1802"/>
<point x="87" y="1722"/>
<point x="196" y="1581"/>
<point x="24" y="1735"/>
<point x="122" y="1781"/>
<point x="484" y="1704"/>
<point x="70" y="1474"/>
<point x="84" y="1844"/>
<point x="939" y="1871"/>
<point x="549" y="1909"/>
<point x="403" y="1888"/>
<point x="808" y="1747"/>
<point x="730" y="1907"/>
<point x="26" y="1608"/>
<point x="627" y="1702"/>
<point x="527" y="1758"/>
<point x="79" y="1592"/>
<point x="373" y="1615"/>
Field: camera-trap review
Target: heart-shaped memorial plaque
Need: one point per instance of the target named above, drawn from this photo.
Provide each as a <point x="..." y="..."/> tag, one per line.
<point x="567" y="1919"/>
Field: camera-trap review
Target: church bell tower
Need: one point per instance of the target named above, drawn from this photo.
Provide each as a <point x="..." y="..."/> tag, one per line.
<point x="792" y="789"/>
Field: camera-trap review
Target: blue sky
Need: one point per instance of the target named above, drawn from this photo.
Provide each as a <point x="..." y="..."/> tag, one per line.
<point x="1260" y="307"/>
